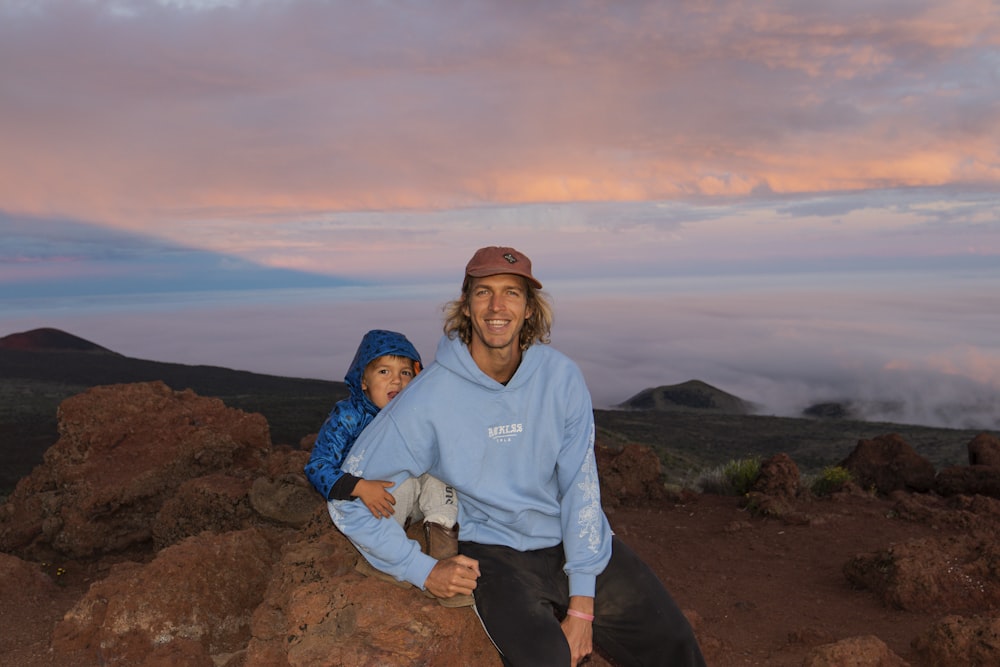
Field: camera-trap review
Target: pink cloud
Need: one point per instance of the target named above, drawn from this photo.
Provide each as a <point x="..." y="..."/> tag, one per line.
<point x="167" y="112"/>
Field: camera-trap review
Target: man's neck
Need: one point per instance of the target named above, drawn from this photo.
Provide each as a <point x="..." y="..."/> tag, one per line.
<point x="499" y="364"/>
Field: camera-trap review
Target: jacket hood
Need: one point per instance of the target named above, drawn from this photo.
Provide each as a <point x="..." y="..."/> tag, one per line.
<point x="454" y="355"/>
<point x="377" y="343"/>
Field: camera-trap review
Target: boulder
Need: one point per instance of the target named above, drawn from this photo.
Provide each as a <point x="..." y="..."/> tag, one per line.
<point x="194" y="600"/>
<point x="888" y="463"/>
<point x="123" y="452"/>
<point x="984" y="450"/>
<point x="779" y="477"/>
<point x="968" y="481"/>
<point x="865" y="651"/>
<point x="948" y="575"/>
<point x="629" y="475"/>
<point x="319" y="611"/>
<point x="959" y="641"/>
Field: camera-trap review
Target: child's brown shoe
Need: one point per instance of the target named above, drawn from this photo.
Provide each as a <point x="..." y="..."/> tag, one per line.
<point x="443" y="543"/>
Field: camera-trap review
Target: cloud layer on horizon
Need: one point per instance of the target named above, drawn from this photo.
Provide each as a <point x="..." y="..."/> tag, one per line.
<point x="910" y="348"/>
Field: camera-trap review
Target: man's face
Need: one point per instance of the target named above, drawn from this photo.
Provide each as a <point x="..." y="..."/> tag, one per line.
<point x="497" y="307"/>
<point x="385" y="377"/>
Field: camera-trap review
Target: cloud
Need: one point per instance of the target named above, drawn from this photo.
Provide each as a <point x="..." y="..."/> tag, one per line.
<point x="917" y="347"/>
<point x="141" y="114"/>
<point x="58" y="258"/>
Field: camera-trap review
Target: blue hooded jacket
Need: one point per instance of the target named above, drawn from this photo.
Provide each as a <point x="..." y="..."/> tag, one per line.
<point x="351" y="415"/>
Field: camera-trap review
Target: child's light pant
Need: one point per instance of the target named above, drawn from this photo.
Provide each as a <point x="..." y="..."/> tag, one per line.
<point x="426" y="498"/>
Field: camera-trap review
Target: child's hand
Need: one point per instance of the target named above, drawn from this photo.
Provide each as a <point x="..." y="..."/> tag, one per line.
<point x="375" y="497"/>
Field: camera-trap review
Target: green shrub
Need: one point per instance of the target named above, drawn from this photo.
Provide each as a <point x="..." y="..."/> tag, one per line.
<point x="732" y="479"/>
<point x="742" y="474"/>
<point x="830" y="480"/>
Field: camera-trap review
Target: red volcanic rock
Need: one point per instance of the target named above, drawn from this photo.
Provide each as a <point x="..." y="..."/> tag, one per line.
<point x="217" y="502"/>
<point x="888" y="463"/>
<point x="194" y="599"/>
<point x="956" y="640"/>
<point x="969" y="481"/>
<point x="952" y="574"/>
<point x="779" y="476"/>
<point x="629" y="476"/>
<point x="964" y="512"/>
<point x="984" y="450"/>
<point x="250" y="571"/>
<point x="868" y="650"/>
<point x="123" y="451"/>
<point x="320" y="612"/>
<point x="284" y="495"/>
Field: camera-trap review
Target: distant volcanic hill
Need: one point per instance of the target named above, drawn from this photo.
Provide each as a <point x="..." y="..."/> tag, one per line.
<point x="48" y="339"/>
<point x="690" y="395"/>
<point x="42" y="367"/>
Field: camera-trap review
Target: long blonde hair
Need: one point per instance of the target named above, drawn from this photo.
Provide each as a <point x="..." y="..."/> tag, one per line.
<point x="536" y="329"/>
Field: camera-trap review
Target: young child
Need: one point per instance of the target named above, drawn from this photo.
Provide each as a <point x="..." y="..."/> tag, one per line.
<point x="382" y="367"/>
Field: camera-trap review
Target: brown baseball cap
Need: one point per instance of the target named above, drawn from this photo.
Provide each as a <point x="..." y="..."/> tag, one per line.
<point x="494" y="260"/>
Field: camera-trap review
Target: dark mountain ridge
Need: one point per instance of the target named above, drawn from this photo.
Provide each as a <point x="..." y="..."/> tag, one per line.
<point x="51" y="340"/>
<point x="690" y="395"/>
<point x="692" y="426"/>
<point x="41" y="368"/>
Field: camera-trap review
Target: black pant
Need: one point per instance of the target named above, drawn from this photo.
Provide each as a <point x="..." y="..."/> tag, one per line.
<point x="522" y="596"/>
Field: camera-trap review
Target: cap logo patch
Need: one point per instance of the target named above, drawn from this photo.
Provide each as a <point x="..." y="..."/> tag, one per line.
<point x="510" y="258"/>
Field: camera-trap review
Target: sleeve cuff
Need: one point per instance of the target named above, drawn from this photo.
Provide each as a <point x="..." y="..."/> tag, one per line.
<point x="419" y="569"/>
<point x="582" y="584"/>
<point x="344" y="487"/>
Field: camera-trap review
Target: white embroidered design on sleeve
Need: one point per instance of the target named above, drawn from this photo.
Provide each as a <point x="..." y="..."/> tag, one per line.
<point x="589" y="517"/>
<point x="352" y="464"/>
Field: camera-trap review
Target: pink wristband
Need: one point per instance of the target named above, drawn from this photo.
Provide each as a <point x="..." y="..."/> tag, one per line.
<point x="580" y="614"/>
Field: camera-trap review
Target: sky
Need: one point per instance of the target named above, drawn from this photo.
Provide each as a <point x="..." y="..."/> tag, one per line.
<point x="795" y="200"/>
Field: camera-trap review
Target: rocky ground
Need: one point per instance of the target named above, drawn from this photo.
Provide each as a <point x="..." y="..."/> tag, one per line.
<point x="763" y="592"/>
<point x="223" y="559"/>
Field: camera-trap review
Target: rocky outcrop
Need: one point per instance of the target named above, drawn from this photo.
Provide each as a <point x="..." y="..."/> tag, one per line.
<point x="210" y="548"/>
<point x="868" y="650"/>
<point x="198" y="594"/>
<point x="779" y="476"/>
<point x="773" y="491"/>
<point x="221" y="553"/>
<point x="630" y="475"/>
<point x="960" y="641"/>
<point x="953" y="574"/>
<point x="888" y="463"/>
<point x="980" y="477"/>
<point x="123" y="452"/>
<point x="984" y="450"/>
<point x="318" y="610"/>
<point x="969" y="481"/>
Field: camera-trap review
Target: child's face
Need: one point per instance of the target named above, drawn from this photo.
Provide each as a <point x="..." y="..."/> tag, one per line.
<point x="385" y="377"/>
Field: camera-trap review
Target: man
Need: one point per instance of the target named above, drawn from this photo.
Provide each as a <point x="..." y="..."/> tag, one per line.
<point x="508" y="422"/>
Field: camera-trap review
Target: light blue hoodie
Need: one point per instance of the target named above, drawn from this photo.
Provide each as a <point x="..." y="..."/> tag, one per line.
<point x="520" y="456"/>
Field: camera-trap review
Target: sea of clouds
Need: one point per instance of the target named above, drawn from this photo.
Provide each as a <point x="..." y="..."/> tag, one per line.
<point x="900" y="347"/>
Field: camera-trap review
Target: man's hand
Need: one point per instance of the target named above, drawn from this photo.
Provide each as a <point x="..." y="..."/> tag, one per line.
<point x="375" y="497"/>
<point x="453" y="576"/>
<point x="579" y="632"/>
